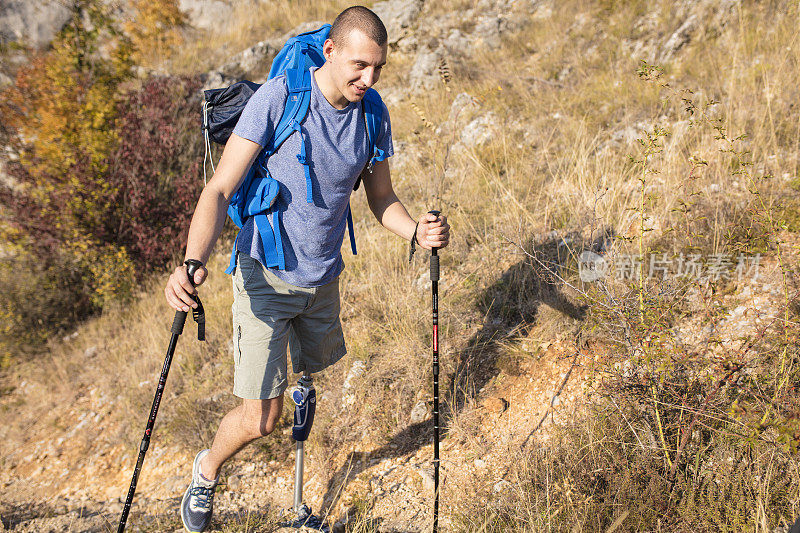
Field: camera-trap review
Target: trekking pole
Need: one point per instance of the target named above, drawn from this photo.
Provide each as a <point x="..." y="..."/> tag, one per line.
<point x="435" y="301"/>
<point x="177" y="328"/>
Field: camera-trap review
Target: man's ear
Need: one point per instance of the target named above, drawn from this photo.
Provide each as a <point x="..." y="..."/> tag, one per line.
<point x="327" y="49"/>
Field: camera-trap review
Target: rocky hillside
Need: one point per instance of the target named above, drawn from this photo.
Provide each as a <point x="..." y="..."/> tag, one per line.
<point x="656" y="402"/>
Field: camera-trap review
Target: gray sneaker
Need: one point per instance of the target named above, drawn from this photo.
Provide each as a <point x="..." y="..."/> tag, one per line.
<point x="198" y="500"/>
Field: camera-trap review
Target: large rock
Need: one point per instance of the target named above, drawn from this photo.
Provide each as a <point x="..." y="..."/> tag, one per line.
<point x="420" y="412"/>
<point x="301" y="28"/>
<point x="206" y="14"/>
<point x="398" y="16"/>
<point x="463" y="109"/>
<point x="480" y="130"/>
<point x="488" y="30"/>
<point x="456" y="42"/>
<point x="253" y="63"/>
<point x="680" y="38"/>
<point x="31" y="22"/>
<point x="425" y="72"/>
<point x="707" y="17"/>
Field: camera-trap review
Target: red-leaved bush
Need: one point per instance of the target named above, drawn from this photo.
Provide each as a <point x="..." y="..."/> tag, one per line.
<point x="155" y="169"/>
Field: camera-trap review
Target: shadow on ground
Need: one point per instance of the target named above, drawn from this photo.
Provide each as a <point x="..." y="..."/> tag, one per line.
<point x="510" y="307"/>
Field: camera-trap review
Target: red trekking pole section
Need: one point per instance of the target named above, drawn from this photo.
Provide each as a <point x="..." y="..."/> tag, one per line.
<point x="177" y="328"/>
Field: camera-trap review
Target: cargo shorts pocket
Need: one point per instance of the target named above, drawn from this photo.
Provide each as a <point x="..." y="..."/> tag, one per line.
<point x="246" y="267"/>
<point x="237" y="348"/>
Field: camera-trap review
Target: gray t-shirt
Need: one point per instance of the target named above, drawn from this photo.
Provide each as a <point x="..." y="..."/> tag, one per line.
<point x="337" y="148"/>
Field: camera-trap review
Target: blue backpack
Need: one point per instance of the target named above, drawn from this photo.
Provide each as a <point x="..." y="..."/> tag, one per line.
<point x="257" y="193"/>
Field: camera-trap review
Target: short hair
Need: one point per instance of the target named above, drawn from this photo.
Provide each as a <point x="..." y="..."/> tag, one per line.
<point x="358" y="18"/>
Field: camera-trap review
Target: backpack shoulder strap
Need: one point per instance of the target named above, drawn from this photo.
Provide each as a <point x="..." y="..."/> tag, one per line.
<point x="372" y="109"/>
<point x="298" y="100"/>
<point x="373" y="115"/>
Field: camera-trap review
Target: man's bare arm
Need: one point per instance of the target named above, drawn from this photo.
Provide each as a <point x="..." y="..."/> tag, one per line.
<point x="209" y="217"/>
<point x="432" y="232"/>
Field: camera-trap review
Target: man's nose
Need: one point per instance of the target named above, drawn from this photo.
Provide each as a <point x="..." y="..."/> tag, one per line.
<point x="370" y="76"/>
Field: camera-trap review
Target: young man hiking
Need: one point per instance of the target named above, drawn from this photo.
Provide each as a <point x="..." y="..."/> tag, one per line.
<point x="298" y="306"/>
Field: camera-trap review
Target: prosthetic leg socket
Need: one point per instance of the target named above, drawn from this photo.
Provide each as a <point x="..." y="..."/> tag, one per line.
<point x="304" y="397"/>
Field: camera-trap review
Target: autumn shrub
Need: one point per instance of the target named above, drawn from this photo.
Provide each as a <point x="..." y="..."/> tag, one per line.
<point x="155" y="29"/>
<point x="63" y="103"/>
<point x="154" y="170"/>
<point x="102" y="192"/>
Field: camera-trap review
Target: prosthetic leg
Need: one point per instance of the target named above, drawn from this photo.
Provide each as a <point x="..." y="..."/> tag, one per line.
<point x="304" y="397"/>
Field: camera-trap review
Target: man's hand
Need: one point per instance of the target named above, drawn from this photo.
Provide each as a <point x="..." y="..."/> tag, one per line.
<point x="433" y="231"/>
<point x="179" y="290"/>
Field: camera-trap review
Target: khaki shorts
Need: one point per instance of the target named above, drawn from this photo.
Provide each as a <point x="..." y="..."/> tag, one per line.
<point x="269" y="315"/>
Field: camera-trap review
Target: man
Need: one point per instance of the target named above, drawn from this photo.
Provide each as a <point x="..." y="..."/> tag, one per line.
<point x="299" y="305"/>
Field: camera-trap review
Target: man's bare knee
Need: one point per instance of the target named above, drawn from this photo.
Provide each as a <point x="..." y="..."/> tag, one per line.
<point x="259" y="417"/>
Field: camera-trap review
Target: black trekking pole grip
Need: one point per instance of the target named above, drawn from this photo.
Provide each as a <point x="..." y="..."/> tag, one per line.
<point x="435" y="255"/>
<point x="192" y="266"/>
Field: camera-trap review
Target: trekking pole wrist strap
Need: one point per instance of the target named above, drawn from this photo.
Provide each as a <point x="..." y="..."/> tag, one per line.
<point x="414" y="242"/>
<point x="198" y="314"/>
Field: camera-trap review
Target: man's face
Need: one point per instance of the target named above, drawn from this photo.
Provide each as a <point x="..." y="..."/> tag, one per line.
<point x="356" y="66"/>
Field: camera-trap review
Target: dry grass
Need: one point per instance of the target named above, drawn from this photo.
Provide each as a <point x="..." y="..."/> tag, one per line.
<point x="595" y="476"/>
<point x="558" y="171"/>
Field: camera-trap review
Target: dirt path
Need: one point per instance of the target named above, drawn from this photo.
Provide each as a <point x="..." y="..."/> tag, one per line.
<point x="56" y="481"/>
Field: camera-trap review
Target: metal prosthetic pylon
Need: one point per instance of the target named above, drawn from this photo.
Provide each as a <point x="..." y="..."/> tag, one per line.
<point x="304" y="397"/>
